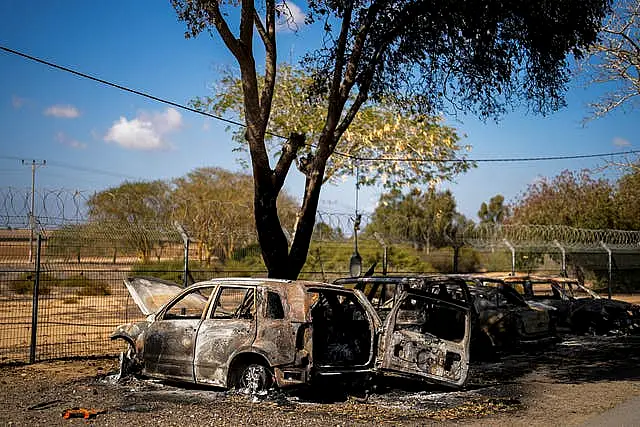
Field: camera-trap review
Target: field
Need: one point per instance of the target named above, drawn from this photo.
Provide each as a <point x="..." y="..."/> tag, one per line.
<point x="569" y="384"/>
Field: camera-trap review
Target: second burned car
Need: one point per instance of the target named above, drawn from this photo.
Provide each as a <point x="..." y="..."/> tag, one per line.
<point x="255" y="333"/>
<point x="579" y="308"/>
<point x="501" y="318"/>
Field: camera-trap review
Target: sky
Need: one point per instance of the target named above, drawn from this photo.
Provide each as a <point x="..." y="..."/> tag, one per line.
<point x="94" y="137"/>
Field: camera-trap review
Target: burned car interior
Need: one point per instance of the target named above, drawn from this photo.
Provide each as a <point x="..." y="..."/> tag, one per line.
<point x="342" y="333"/>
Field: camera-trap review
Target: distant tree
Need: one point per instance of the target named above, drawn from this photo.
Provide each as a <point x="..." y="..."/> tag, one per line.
<point x="614" y="60"/>
<point x="420" y="217"/>
<point x="627" y="200"/>
<point x="132" y="202"/>
<point x="477" y="56"/>
<point x="494" y="212"/>
<point x="571" y="199"/>
<point x="324" y="231"/>
<point x="454" y="234"/>
<point x="135" y="212"/>
<point x="216" y="206"/>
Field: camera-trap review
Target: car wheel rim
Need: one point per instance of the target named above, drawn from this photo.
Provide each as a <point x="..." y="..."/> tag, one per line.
<point x="253" y="378"/>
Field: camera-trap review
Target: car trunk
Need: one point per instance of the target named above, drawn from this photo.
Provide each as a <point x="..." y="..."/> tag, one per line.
<point x="343" y="331"/>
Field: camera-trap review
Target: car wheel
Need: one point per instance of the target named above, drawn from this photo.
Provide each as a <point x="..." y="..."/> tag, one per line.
<point x="254" y="378"/>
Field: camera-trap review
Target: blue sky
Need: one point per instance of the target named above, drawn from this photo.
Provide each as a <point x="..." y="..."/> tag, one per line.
<point x="94" y="137"/>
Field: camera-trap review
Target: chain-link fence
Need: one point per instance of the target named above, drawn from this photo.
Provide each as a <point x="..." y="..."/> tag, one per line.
<point x="61" y="276"/>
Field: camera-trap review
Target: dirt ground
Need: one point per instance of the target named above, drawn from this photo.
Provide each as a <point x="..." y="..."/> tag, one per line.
<point x="566" y="384"/>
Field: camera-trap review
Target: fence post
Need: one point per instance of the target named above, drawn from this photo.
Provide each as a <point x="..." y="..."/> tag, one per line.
<point x="564" y="258"/>
<point x="513" y="256"/>
<point x="606" y="248"/>
<point x="34" y="306"/>
<point x="185" y="240"/>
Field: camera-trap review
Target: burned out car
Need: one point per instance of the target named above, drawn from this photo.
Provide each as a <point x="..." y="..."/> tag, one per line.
<point x="255" y="333"/>
<point x="501" y="318"/>
<point x="579" y="308"/>
<point x="508" y="320"/>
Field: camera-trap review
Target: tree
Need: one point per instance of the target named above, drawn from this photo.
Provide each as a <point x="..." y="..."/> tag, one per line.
<point x="571" y="199"/>
<point x="627" y="199"/>
<point x="483" y="56"/>
<point x="378" y="130"/>
<point x="614" y="61"/>
<point x="324" y="231"/>
<point x="495" y="212"/>
<point x="134" y="212"/>
<point x="216" y="206"/>
<point x="132" y="202"/>
<point x="419" y="217"/>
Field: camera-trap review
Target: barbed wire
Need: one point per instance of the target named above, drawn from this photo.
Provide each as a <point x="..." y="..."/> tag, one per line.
<point x="232" y="223"/>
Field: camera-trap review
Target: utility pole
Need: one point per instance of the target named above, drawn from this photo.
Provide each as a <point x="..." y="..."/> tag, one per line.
<point x="32" y="218"/>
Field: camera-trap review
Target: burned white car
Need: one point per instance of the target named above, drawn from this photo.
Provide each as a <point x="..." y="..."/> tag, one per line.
<point x="255" y="333"/>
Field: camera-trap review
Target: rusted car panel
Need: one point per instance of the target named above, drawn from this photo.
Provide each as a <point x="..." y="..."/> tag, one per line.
<point x="231" y="332"/>
<point x="579" y="308"/>
<point x="427" y="337"/>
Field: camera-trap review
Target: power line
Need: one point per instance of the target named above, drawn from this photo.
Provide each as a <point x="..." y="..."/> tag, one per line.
<point x="80" y="168"/>
<point x="350" y="156"/>
<point x="497" y="160"/>
<point x="124" y="88"/>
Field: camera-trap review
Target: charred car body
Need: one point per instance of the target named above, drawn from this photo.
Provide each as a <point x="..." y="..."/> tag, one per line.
<point x="501" y="318"/>
<point x="252" y="333"/>
<point x="578" y="307"/>
<point x="508" y="319"/>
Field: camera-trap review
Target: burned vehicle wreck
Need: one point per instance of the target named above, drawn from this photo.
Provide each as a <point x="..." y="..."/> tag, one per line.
<point x="579" y="309"/>
<point x="508" y="320"/>
<point x="258" y="333"/>
<point x="501" y="318"/>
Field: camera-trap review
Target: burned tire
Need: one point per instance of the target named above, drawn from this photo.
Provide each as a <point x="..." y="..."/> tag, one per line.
<point x="128" y="365"/>
<point x="254" y="378"/>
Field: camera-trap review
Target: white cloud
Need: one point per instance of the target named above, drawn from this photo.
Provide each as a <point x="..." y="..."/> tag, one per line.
<point x="291" y="16"/>
<point x="64" y="139"/>
<point x="145" y="132"/>
<point x="62" y="111"/>
<point x="621" y="142"/>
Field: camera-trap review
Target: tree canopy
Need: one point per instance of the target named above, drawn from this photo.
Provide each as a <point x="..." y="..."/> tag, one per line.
<point x="476" y="56"/>
<point x="574" y="199"/>
<point x="627" y="199"/>
<point x="379" y="130"/>
<point x="213" y="204"/>
<point x="495" y="212"/>
<point x="425" y="218"/>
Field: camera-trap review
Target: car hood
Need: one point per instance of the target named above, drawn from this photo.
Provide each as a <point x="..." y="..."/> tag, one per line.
<point x="150" y="294"/>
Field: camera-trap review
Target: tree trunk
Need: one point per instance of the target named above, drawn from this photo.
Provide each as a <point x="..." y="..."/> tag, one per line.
<point x="307" y="220"/>
<point x="272" y="239"/>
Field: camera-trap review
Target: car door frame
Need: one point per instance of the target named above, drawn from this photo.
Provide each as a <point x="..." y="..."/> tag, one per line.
<point x="410" y="354"/>
<point x="166" y="337"/>
<point x="220" y="340"/>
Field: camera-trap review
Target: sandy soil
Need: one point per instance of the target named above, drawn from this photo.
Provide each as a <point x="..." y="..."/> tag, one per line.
<point x="566" y="384"/>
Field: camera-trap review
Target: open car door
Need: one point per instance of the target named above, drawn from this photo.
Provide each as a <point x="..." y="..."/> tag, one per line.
<point x="426" y="337"/>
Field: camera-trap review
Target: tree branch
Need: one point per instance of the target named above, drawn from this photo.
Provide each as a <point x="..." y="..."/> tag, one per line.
<point x="289" y="153"/>
<point x="267" y="35"/>
<point x="227" y="36"/>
